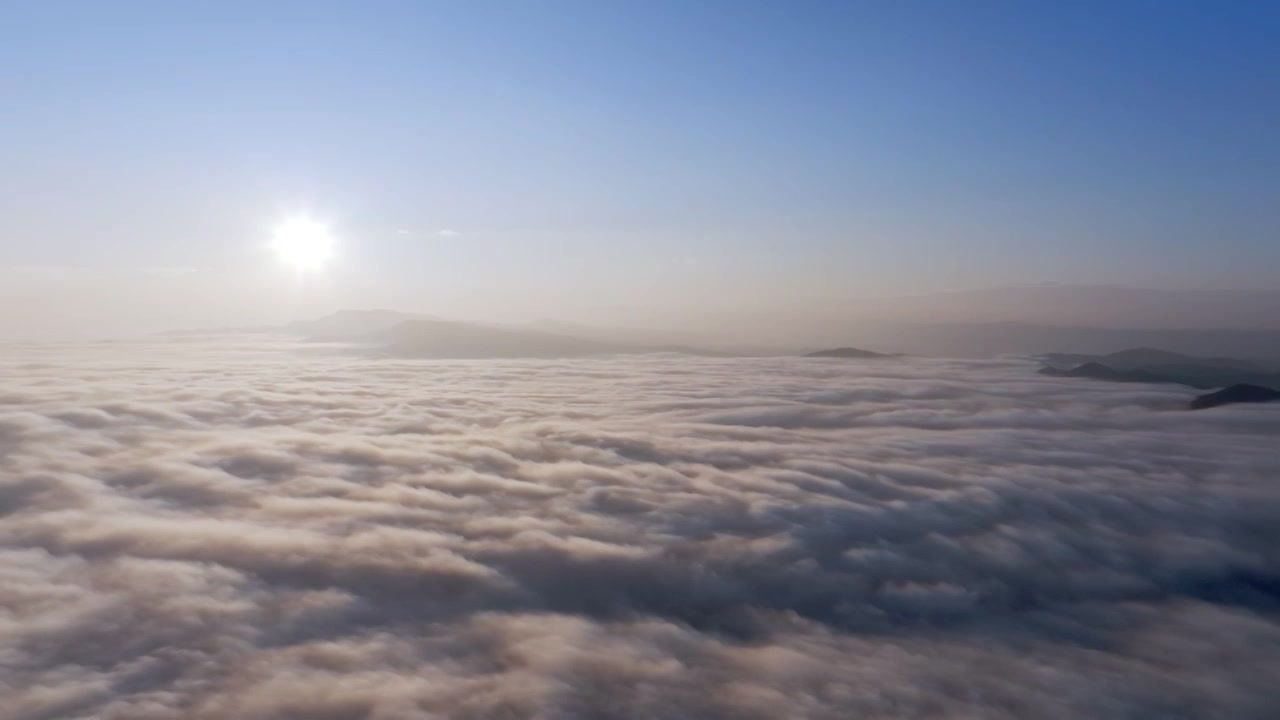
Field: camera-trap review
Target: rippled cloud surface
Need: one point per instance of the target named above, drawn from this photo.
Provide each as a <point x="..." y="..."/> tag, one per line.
<point x="244" y="529"/>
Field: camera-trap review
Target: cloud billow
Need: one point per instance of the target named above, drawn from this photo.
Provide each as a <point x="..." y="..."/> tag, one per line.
<point x="214" y="529"/>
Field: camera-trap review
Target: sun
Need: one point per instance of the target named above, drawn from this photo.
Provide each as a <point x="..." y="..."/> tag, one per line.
<point x="303" y="243"/>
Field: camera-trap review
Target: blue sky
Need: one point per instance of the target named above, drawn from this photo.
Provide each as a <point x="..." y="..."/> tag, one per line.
<point x="621" y="152"/>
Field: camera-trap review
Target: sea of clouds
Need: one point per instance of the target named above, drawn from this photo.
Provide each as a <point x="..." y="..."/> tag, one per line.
<point x="253" y="529"/>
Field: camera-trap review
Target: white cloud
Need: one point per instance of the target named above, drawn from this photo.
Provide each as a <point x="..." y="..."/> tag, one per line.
<point x="197" y="529"/>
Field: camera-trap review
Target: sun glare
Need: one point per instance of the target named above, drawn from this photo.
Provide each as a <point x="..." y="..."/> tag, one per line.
<point x="303" y="243"/>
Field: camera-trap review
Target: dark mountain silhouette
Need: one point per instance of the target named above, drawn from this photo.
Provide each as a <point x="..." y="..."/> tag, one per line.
<point x="1098" y="371"/>
<point x="1242" y="393"/>
<point x="1136" y="358"/>
<point x="988" y="339"/>
<point x="1152" y="365"/>
<point x="847" y="352"/>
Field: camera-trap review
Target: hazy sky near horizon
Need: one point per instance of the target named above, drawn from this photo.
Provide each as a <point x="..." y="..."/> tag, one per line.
<point x="491" y="159"/>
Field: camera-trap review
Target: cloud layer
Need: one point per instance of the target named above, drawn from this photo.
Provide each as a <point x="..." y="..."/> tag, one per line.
<point x="241" y="529"/>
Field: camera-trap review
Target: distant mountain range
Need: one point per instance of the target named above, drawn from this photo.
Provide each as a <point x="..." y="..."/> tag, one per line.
<point x="1144" y="357"/>
<point x="990" y="339"/>
<point x="848" y="352"/>
<point x="1098" y="306"/>
<point x="1017" y="319"/>
<point x="353" y="325"/>
<point x="1152" y="365"/>
<point x="446" y="339"/>
<point x="1243" y="380"/>
<point x="424" y="336"/>
<point x="1098" y="371"/>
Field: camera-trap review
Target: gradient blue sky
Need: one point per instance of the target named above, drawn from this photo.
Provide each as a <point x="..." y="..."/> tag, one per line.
<point x="617" y="154"/>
